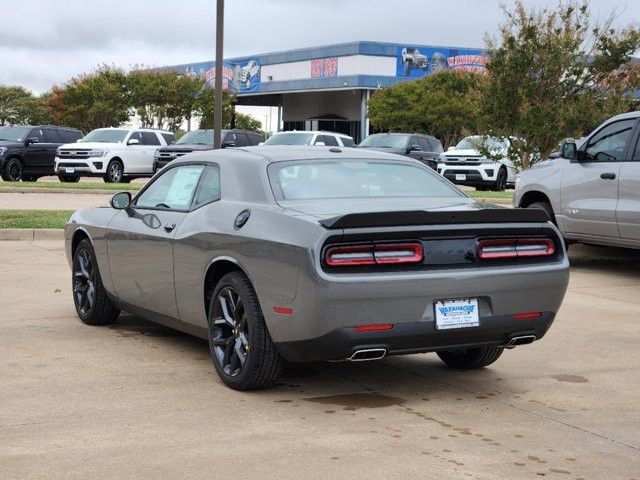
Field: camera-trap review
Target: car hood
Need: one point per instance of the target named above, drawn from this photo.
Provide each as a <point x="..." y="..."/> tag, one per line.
<point x="463" y="152"/>
<point x="96" y="145"/>
<point x="10" y="143"/>
<point x="322" y="209"/>
<point x="186" y="147"/>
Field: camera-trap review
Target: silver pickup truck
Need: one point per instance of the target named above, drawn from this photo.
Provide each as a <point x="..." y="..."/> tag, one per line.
<point x="591" y="191"/>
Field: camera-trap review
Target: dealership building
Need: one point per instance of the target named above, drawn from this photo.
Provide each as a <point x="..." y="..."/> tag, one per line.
<point x="327" y="88"/>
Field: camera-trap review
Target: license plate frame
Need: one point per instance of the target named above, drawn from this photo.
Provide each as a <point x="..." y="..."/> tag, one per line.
<point x="69" y="170"/>
<point x="456" y="313"/>
<point x="461" y="176"/>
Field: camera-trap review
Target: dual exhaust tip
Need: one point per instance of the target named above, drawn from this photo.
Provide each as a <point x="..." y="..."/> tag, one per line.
<point x="379" y="353"/>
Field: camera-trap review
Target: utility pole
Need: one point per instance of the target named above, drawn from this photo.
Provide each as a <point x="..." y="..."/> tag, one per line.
<point x="217" y="114"/>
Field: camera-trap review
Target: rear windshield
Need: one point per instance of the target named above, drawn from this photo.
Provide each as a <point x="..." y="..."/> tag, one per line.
<point x="355" y="179"/>
<point x="290" y="138"/>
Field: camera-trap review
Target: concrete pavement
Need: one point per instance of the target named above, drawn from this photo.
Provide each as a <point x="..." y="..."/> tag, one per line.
<point x="136" y="400"/>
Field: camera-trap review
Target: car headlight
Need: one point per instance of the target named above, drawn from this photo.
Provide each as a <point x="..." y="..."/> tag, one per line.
<point x="3" y="150"/>
<point x="97" y="153"/>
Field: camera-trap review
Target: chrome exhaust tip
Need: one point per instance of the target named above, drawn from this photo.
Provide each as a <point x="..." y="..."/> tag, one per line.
<point x="368" y="354"/>
<point x="521" y="340"/>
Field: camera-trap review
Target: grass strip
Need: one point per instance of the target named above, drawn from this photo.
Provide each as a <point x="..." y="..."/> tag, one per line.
<point x="488" y="194"/>
<point x="74" y="186"/>
<point x="34" y="218"/>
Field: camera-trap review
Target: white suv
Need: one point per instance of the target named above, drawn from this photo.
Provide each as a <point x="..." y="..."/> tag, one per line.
<point x="465" y="165"/>
<point x="318" y="138"/>
<point x="115" y="154"/>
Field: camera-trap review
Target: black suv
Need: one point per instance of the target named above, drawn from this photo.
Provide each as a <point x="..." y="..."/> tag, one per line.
<point x="203" y="140"/>
<point x="27" y="153"/>
<point x="425" y="148"/>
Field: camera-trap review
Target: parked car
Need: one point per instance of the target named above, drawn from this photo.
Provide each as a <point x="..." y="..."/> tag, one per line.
<point x="27" y="153"/>
<point x="311" y="254"/>
<point x="115" y="154"/>
<point x="197" y="140"/>
<point x="317" y="138"/>
<point x="592" y="190"/>
<point x="463" y="164"/>
<point x="425" y="148"/>
<point x="412" y="58"/>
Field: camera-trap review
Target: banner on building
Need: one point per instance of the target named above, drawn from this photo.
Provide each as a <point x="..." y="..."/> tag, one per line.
<point x="237" y="77"/>
<point x="416" y="62"/>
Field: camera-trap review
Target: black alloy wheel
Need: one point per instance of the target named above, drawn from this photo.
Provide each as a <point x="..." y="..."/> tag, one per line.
<point x="13" y="170"/>
<point x="230" y="332"/>
<point x="501" y="181"/>
<point x="115" y="171"/>
<point x="84" y="283"/>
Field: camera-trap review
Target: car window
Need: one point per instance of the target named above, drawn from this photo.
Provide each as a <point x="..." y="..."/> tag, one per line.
<point x="255" y="138"/>
<point x="50" y="135"/>
<point x="328" y="140"/>
<point x="169" y="138"/>
<point x="609" y="143"/>
<point x="424" y="144"/>
<point x="414" y="143"/>
<point x="69" y="136"/>
<point x="209" y="187"/>
<point x="347" y="142"/>
<point x="149" y="138"/>
<point x="436" y="146"/>
<point x="230" y="138"/>
<point x="37" y="133"/>
<point x="173" y="189"/>
<point x="242" y="140"/>
<point x="136" y="136"/>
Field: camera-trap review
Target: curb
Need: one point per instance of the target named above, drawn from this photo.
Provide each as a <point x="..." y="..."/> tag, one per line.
<point x="31" y="234"/>
<point x="75" y="191"/>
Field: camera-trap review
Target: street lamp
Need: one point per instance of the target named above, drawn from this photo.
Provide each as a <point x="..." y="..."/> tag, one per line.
<point x="217" y="113"/>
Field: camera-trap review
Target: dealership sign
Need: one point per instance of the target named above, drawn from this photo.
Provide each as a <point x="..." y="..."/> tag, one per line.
<point x="237" y="76"/>
<point x="416" y="62"/>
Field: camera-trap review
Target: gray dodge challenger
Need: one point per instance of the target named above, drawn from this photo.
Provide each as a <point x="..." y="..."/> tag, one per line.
<point x="299" y="254"/>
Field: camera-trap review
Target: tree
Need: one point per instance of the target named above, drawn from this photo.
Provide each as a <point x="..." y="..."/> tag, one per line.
<point x="205" y="108"/>
<point x="247" y="122"/>
<point x="446" y="105"/>
<point x="90" y="101"/>
<point x="19" y="106"/>
<point x="556" y="73"/>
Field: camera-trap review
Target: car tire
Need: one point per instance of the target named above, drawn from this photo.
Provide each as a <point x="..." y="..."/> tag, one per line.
<point x="501" y="181"/>
<point x="90" y="298"/>
<point x="13" y="170"/>
<point x="470" y="358"/>
<point x="115" y="172"/>
<point x="241" y="348"/>
<point x="69" y="178"/>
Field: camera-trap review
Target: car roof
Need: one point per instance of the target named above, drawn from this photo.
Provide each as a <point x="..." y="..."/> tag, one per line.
<point x="134" y="128"/>
<point x="625" y="116"/>
<point x="315" y="132"/>
<point x="285" y="153"/>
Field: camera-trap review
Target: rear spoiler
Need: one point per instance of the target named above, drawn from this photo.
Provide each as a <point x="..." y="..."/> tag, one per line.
<point x="423" y="217"/>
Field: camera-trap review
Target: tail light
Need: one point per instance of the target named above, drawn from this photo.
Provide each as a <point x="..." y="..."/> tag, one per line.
<point x="374" y="254"/>
<point x="505" y="248"/>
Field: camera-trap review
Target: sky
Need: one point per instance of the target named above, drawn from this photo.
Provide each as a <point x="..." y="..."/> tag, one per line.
<point x="62" y="38"/>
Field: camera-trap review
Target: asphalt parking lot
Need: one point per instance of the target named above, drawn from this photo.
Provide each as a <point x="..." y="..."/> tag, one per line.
<point x="136" y="400"/>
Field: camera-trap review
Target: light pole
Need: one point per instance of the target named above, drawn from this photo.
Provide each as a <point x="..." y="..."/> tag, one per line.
<point x="217" y="113"/>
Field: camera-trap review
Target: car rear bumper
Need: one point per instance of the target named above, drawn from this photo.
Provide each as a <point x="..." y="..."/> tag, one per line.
<point x="421" y="337"/>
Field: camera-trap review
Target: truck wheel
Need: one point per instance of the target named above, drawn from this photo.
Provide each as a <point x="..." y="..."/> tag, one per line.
<point x="501" y="181"/>
<point x="12" y="170"/>
<point x="115" y="171"/>
<point x="242" y="351"/>
<point x="471" y="358"/>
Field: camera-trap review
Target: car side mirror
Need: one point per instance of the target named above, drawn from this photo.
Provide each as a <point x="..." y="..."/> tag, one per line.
<point x="228" y="144"/>
<point x="133" y="141"/>
<point x="31" y="140"/>
<point x="450" y="148"/>
<point x="121" y="200"/>
<point x="414" y="148"/>
<point x="570" y="150"/>
<point x="319" y="144"/>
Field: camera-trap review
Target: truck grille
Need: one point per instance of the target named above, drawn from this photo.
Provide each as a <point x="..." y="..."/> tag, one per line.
<point x="462" y="160"/>
<point x="73" y="165"/>
<point x="171" y="154"/>
<point x="74" y="153"/>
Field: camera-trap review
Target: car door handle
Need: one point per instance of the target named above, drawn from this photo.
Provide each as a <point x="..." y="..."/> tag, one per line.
<point x="169" y="228"/>
<point x="608" y="176"/>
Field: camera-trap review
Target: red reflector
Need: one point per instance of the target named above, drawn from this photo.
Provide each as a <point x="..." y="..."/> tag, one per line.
<point x="380" y="327"/>
<point x="374" y="254"/>
<point x="501" y="248"/>
<point x="283" y="310"/>
<point x="527" y="315"/>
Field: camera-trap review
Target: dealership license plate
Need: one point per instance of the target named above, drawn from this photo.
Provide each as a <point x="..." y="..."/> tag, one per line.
<point x="69" y="170"/>
<point x="460" y="313"/>
<point x="460" y="176"/>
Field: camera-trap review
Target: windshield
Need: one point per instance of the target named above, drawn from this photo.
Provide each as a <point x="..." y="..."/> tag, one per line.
<point x="111" y="135"/>
<point x="385" y="140"/>
<point x="13" y="134"/>
<point x="290" y="138"/>
<point x="355" y="179"/>
<point x="197" y="137"/>
<point x="472" y="143"/>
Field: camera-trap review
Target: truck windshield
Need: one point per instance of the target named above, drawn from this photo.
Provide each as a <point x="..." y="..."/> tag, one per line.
<point x="111" y="135"/>
<point x="197" y="137"/>
<point x="384" y="140"/>
<point x="13" y="134"/>
<point x="299" y="180"/>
